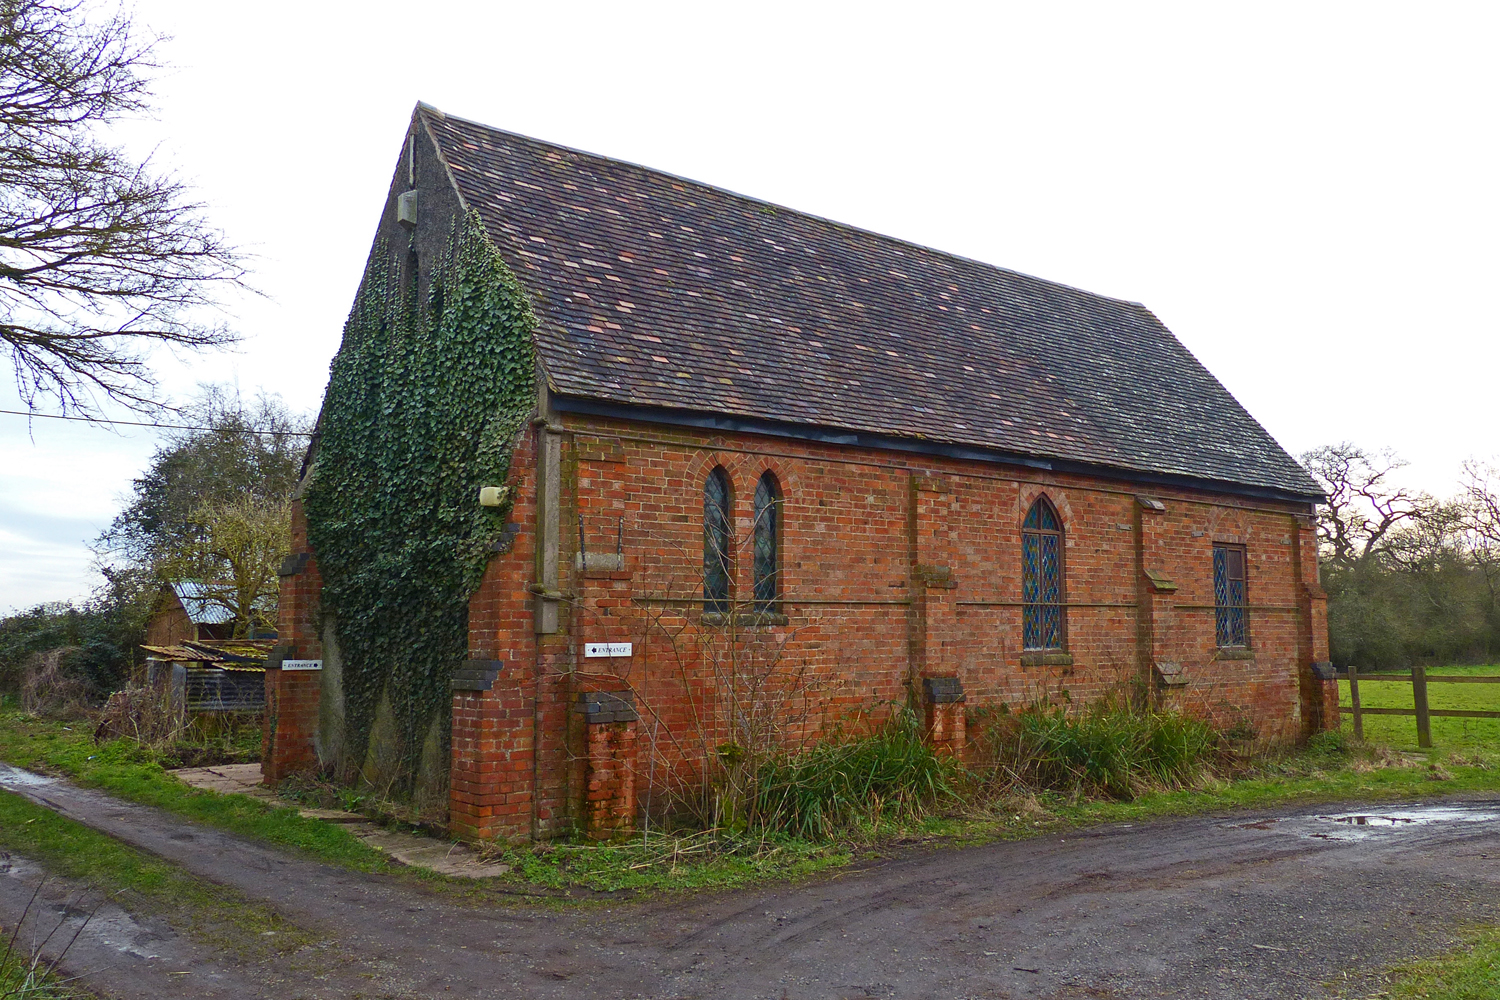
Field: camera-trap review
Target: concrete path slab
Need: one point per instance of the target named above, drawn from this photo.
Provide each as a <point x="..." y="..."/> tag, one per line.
<point x="413" y="850"/>
<point x="333" y="815"/>
<point x="227" y="779"/>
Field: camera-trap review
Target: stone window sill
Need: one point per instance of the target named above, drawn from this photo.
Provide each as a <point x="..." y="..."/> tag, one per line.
<point x="1234" y="653"/>
<point x="1046" y="658"/>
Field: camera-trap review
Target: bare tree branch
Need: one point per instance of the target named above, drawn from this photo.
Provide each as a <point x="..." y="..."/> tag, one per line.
<point x="101" y="257"/>
<point x="1364" y="506"/>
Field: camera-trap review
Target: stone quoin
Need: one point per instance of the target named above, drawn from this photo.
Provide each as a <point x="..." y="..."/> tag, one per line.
<point x="806" y="471"/>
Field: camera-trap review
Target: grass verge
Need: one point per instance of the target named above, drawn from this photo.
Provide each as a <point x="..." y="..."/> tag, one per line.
<point x="664" y="861"/>
<point x="1469" y="972"/>
<point x="1318" y="774"/>
<point x="124" y="768"/>
<point x="213" y="914"/>
<point x="1328" y="771"/>
<point x="718" y="859"/>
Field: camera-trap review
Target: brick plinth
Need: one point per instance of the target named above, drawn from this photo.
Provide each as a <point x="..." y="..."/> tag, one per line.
<point x="1330" y="705"/>
<point x="492" y="776"/>
<point x="945" y="725"/>
<point x="609" y="784"/>
<point x="291" y="724"/>
<point x="946" y="728"/>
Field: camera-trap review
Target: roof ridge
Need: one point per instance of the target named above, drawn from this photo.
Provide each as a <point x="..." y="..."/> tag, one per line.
<point x="422" y="106"/>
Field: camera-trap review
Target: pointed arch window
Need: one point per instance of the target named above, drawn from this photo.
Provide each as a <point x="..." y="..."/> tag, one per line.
<point x="767" y="544"/>
<point x="717" y="545"/>
<point x="1042" y="577"/>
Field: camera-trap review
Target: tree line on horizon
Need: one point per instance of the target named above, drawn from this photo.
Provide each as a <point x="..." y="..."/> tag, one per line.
<point x="1411" y="578"/>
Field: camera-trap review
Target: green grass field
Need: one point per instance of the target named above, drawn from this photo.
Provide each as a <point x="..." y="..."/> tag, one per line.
<point x="1452" y="735"/>
<point x="1470" y="972"/>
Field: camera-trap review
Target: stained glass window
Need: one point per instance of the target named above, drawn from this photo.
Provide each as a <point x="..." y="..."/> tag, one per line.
<point x="767" y="528"/>
<point x="1229" y="596"/>
<point x="716" y="542"/>
<point x="1041" y="578"/>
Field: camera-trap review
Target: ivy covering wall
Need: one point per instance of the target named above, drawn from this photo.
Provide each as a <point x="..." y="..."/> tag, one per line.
<point x="425" y="403"/>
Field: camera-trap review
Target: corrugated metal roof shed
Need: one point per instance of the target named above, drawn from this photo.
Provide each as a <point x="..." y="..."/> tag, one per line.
<point x="199" y="604"/>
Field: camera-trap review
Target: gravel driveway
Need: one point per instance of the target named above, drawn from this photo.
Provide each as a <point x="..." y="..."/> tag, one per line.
<point x="1236" y="906"/>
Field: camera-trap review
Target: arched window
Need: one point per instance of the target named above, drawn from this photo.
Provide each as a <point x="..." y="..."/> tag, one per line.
<point x="717" y="544"/>
<point x="767" y="540"/>
<point x="1042" y="578"/>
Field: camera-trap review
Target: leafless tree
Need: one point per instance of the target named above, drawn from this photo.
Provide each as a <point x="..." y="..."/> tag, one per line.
<point x="101" y="255"/>
<point x="1364" y="503"/>
<point x="1480" y="504"/>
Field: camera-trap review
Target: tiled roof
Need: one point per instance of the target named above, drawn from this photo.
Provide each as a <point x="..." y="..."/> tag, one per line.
<point x="658" y="291"/>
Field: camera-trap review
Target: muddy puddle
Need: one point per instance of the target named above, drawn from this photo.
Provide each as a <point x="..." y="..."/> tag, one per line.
<point x="14" y="777"/>
<point x="1366" y="823"/>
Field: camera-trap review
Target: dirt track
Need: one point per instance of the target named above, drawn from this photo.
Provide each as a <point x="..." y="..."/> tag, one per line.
<point x="1227" y="907"/>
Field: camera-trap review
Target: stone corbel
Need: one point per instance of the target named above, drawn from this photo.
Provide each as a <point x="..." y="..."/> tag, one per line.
<point x="1169" y="673"/>
<point x="1160" y="582"/>
<point x="294" y="564"/>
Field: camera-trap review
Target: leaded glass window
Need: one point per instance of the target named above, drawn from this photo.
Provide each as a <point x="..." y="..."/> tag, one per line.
<point x="1042" y="578"/>
<point x="1229" y="596"/>
<point x="717" y="547"/>
<point x="767" y="536"/>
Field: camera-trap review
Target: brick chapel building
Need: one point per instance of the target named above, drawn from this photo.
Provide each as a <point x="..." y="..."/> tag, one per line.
<point x="891" y="474"/>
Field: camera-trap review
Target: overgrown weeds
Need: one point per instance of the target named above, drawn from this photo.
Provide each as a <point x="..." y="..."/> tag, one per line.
<point x="49" y="689"/>
<point x="843" y="781"/>
<point x="156" y="720"/>
<point x="1111" y="749"/>
<point x="149" y="715"/>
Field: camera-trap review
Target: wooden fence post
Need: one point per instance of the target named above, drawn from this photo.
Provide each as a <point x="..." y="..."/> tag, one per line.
<point x="1359" y="722"/>
<point x="1419" y="696"/>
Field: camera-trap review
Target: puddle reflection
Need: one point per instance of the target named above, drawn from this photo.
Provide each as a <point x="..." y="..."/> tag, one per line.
<point x="1361" y="825"/>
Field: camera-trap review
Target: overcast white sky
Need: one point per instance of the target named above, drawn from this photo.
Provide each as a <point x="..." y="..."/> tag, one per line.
<point x="1305" y="193"/>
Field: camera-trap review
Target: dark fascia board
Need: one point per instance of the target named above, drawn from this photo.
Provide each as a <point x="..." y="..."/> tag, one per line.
<point x="862" y="439"/>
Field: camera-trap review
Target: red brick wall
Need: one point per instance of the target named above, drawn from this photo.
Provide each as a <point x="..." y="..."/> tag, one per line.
<point x="894" y="567"/>
<point x="494" y="769"/>
<point x="291" y="720"/>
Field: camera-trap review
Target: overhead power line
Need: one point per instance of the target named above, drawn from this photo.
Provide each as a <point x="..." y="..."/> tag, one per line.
<point x="138" y="423"/>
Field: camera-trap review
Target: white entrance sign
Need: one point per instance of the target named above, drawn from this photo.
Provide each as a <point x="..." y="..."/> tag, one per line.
<point x="607" y="648"/>
<point x="301" y="664"/>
